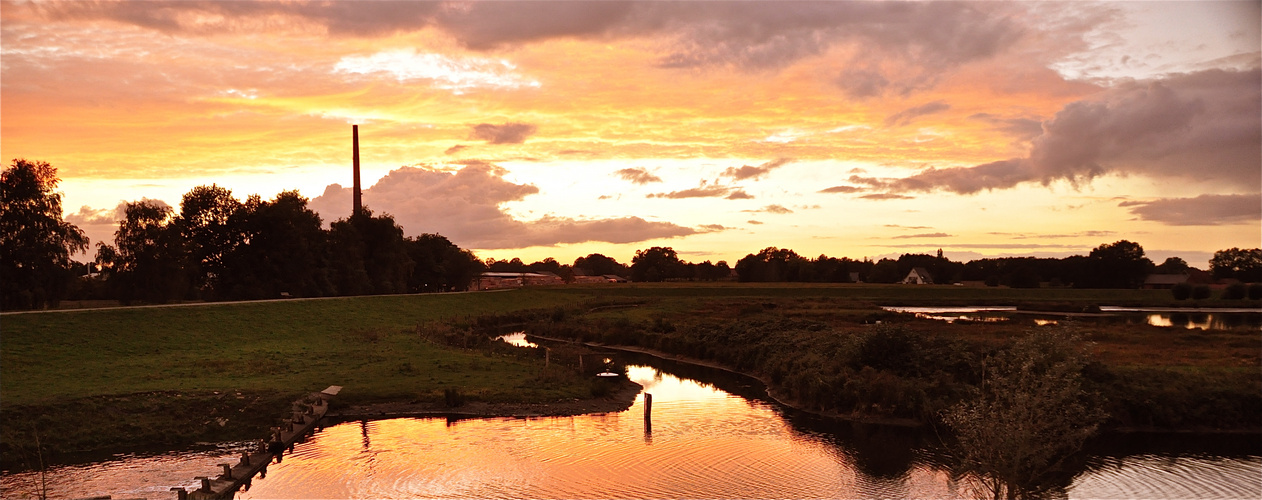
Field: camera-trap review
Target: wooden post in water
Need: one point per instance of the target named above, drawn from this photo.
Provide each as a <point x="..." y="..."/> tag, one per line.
<point x="648" y="407"/>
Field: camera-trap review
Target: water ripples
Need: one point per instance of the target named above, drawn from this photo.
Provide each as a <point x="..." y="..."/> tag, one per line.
<point x="1157" y="476"/>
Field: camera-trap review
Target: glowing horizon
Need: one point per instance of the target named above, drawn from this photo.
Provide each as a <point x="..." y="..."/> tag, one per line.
<point x="560" y="129"/>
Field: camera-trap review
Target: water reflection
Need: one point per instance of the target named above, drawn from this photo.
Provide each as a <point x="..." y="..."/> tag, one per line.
<point x="701" y="442"/>
<point x="517" y="339"/>
<point x="718" y="439"/>
<point x="1216" y="319"/>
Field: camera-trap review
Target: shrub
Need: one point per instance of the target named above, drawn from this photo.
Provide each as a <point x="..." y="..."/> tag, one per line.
<point x="1031" y="414"/>
<point x="1236" y="291"/>
<point x="1200" y="292"/>
<point x="1181" y="291"/>
<point x="1255" y="291"/>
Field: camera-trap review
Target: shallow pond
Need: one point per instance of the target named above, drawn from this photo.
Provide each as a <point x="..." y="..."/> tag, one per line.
<point x="711" y="435"/>
<point x="1189" y="318"/>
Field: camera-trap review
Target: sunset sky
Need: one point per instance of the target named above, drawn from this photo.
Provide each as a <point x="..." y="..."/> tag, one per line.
<point x="560" y="129"/>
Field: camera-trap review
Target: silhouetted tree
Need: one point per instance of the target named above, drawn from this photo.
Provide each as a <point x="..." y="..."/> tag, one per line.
<point x="1172" y="265"/>
<point x="707" y="271"/>
<point x="206" y="222"/>
<point x="1117" y="265"/>
<point x="656" y="264"/>
<point x="771" y="264"/>
<point x="440" y="265"/>
<point x="550" y="265"/>
<point x="35" y="243"/>
<point x="282" y="249"/>
<point x="149" y="257"/>
<point x="599" y="265"/>
<point x="515" y="265"/>
<point x="1242" y="264"/>
<point x="369" y="254"/>
<point x="885" y="271"/>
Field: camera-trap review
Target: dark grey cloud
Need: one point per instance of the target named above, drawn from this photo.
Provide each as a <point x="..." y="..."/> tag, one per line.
<point x="465" y="206"/>
<point x="754" y="222"/>
<point x="638" y="175"/>
<point x="906" y="116"/>
<point x="896" y="226"/>
<point x="739" y="195"/>
<point x="1203" y="210"/>
<point x="455" y="149"/>
<point x="751" y="35"/>
<point x="1201" y="126"/>
<point x="750" y="172"/>
<point x="508" y="133"/>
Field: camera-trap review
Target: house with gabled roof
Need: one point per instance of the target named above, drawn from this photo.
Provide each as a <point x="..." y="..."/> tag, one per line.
<point x="918" y="276"/>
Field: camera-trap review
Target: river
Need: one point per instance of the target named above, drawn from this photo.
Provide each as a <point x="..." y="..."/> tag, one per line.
<point x="711" y="435"/>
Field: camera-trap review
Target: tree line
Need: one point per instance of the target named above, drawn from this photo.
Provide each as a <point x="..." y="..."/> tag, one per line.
<point x="217" y="247"/>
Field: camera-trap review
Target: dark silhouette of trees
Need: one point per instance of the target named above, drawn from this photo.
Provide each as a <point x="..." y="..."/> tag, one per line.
<point x="771" y="264"/>
<point x="207" y="222"/>
<point x="369" y="254"/>
<point x="1116" y="265"/>
<point x="707" y="271"/>
<point x="281" y="249"/>
<point x="599" y="265"/>
<point x="656" y="264"/>
<point x="440" y="265"/>
<point x="782" y="264"/>
<point x="1172" y="265"/>
<point x="885" y="271"/>
<point x="148" y="262"/>
<point x="35" y="243"/>
<point x="1242" y="264"/>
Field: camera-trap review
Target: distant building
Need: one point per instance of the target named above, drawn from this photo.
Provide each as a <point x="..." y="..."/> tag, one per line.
<point x="494" y="281"/>
<point x="918" y="276"/>
<point x="1164" y="281"/>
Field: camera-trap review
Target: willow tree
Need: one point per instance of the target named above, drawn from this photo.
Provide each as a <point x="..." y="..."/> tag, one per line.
<point x="35" y="243"/>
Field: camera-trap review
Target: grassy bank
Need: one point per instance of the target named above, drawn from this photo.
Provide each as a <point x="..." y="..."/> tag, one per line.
<point x="127" y="378"/>
<point x="821" y="347"/>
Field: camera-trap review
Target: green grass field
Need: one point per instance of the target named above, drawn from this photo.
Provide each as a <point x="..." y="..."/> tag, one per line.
<point x="363" y="343"/>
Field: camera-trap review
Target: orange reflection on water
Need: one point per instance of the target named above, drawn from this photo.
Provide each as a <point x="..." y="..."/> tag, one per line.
<point x="703" y="443"/>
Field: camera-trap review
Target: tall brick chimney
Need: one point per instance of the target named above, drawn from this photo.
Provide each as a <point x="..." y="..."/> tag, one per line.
<point x="358" y="201"/>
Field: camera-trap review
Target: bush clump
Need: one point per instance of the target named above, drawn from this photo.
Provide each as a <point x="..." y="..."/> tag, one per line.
<point x="1181" y="291"/>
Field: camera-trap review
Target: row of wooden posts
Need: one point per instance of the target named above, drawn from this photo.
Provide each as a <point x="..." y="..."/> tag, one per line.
<point x="307" y="413"/>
